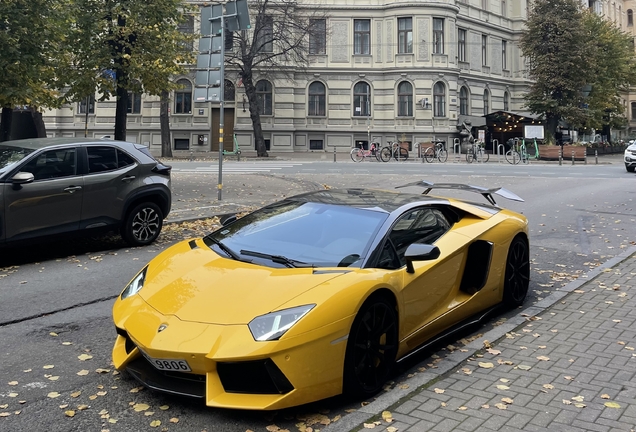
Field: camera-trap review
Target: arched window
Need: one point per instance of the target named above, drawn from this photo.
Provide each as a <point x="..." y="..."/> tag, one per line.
<point x="264" y="96"/>
<point x="362" y="100"/>
<point x="486" y="102"/>
<point x="439" y="99"/>
<point x="229" y="92"/>
<point x="463" y="101"/>
<point x="506" y="101"/>
<point x="317" y="99"/>
<point x="183" y="97"/>
<point x="630" y="17"/>
<point x="405" y="99"/>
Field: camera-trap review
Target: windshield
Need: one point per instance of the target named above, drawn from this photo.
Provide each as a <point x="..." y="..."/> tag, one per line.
<point x="10" y="155"/>
<point x="315" y="234"/>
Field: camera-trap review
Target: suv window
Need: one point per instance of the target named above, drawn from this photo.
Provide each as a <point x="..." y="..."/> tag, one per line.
<point x="101" y="159"/>
<point x="123" y="159"/>
<point x="52" y="164"/>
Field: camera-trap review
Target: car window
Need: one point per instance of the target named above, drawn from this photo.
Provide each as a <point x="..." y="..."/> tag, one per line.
<point x="424" y="225"/>
<point x="101" y="159"/>
<point x="123" y="159"/>
<point x="52" y="164"/>
<point x="11" y="154"/>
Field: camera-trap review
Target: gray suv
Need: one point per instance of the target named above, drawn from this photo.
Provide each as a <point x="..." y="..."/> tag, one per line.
<point x="53" y="186"/>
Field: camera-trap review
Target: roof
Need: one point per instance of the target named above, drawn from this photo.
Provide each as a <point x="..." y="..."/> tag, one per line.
<point x="38" y="143"/>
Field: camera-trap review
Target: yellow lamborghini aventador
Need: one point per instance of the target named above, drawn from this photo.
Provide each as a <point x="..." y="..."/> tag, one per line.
<point x="318" y="294"/>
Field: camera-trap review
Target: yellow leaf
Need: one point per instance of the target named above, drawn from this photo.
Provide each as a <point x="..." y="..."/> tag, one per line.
<point x="69" y="413"/>
<point x="612" y="405"/>
<point x="112" y="420"/>
<point x="82" y="407"/>
<point x="83" y="372"/>
<point x="67" y="343"/>
<point x="53" y="334"/>
<point x="439" y="390"/>
<point x="164" y="407"/>
<point x="48" y="367"/>
<point x="369" y="425"/>
<point x="462" y="408"/>
<point x="53" y="395"/>
<point x="543" y="358"/>
<point x="4" y="414"/>
<point x="84" y="357"/>
<point x="141" y="407"/>
<point x="501" y="406"/>
<point x="548" y="386"/>
<point x="507" y="400"/>
<point x="13" y="383"/>
<point x="391" y="429"/>
<point x="155" y="423"/>
<point x="605" y="396"/>
<point x="136" y="389"/>
<point x="387" y="416"/>
<point x="54" y="378"/>
<point x="272" y="428"/>
<point x="524" y="367"/>
<point x="76" y="394"/>
<point x="486" y="365"/>
<point x="174" y="420"/>
<point x="503" y="387"/>
<point x="578" y="398"/>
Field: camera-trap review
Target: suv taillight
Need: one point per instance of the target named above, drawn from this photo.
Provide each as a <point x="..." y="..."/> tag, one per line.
<point x="162" y="169"/>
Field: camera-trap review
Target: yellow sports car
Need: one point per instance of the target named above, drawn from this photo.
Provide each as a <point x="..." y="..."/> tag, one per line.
<point x="318" y="294"/>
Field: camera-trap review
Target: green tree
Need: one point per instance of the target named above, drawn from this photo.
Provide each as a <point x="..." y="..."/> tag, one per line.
<point x="276" y="47"/>
<point x="121" y="46"/>
<point x="31" y="45"/>
<point x="557" y="48"/>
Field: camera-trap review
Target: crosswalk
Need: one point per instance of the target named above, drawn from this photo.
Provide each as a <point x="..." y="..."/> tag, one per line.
<point x="239" y="167"/>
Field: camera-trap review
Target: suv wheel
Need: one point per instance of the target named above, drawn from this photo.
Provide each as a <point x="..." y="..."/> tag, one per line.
<point x="630" y="168"/>
<point x="143" y="224"/>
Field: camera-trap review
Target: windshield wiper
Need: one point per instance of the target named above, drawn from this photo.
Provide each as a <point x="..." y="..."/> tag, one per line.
<point x="226" y="249"/>
<point x="279" y="259"/>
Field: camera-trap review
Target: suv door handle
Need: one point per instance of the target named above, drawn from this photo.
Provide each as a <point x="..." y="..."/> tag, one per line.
<point x="72" y="189"/>
<point x="128" y="179"/>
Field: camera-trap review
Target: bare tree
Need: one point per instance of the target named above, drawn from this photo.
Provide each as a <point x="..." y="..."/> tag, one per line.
<point x="276" y="46"/>
<point x="164" y="120"/>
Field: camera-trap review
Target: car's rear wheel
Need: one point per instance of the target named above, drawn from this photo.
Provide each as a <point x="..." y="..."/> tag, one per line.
<point x="371" y="348"/>
<point x="143" y="224"/>
<point x="517" y="277"/>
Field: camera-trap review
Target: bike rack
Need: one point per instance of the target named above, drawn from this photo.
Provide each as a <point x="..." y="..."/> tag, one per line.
<point x="501" y="151"/>
<point x="457" y="149"/>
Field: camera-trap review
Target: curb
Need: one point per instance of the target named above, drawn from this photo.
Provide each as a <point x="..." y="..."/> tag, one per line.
<point x="354" y="420"/>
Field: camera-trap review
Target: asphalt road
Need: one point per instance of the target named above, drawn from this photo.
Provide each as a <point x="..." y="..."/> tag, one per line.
<point x="55" y="300"/>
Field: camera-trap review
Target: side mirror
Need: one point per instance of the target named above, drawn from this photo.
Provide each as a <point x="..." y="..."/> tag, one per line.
<point x="22" y="178"/>
<point x="227" y="219"/>
<point x="420" y="252"/>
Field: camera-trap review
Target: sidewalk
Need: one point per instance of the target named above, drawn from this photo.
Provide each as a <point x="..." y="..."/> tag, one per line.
<point x="567" y="363"/>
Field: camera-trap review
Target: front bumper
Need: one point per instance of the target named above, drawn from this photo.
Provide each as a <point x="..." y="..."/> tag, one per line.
<point x="630" y="158"/>
<point x="230" y="369"/>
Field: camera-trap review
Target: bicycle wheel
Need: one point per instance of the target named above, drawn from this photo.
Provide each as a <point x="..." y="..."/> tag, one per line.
<point x="513" y="157"/>
<point x="385" y="154"/>
<point x="429" y="154"/>
<point x="481" y="156"/>
<point x="470" y="156"/>
<point x="404" y="154"/>
<point x="442" y="155"/>
<point x="357" y="155"/>
<point x="485" y="156"/>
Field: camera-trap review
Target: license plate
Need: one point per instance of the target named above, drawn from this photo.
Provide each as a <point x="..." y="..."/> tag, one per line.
<point x="172" y="365"/>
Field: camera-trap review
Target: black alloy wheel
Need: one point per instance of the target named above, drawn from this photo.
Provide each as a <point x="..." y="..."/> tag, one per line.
<point x="143" y="224"/>
<point x="517" y="276"/>
<point x="371" y="348"/>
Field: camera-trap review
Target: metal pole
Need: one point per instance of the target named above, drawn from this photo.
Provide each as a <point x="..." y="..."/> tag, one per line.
<point x="88" y="101"/>
<point x="596" y="157"/>
<point x="572" y="157"/>
<point x="560" y="155"/>
<point x="221" y="109"/>
<point x="334" y="153"/>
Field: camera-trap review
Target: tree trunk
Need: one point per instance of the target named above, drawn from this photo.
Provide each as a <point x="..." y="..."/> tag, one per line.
<point x="164" y="120"/>
<point x="5" y="123"/>
<point x="250" y="91"/>
<point x="552" y="121"/>
<point x="121" y="113"/>
<point x="38" y="122"/>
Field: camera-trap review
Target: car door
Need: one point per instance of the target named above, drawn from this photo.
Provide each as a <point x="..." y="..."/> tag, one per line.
<point x="428" y="292"/>
<point x="52" y="203"/>
<point x="111" y="175"/>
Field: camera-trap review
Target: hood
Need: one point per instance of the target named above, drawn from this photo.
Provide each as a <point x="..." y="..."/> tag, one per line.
<point x="631" y="148"/>
<point x="200" y="286"/>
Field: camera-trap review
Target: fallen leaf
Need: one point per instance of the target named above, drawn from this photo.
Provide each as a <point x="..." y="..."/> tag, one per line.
<point x="164" y="407"/>
<point x="612" y="405"/>
<point x="486" y="365"/>
<point x="543" y="358"/>
<point x="462" y="408"/>
<point x="83" y="372"/>
<point x="84" y="357"/>
<point x="53" y="334"/>
<point x="53" y="395"/>
<point x="369" y="425"/>
<point x="605" y="396"/>
<point x="387" y="416"/>
<point x="439" y="390"/>
<point x="493" y="351"/>
<point x="141" y="407"/>
<point x="48" y="367"/>
<point x="155" y="423"/>
<point x="507" y="400"/>
<point x="503" y="387"/>
<point x="69" y="413"/>
<point x="174" y="420"/>
<point x="76" y="394"/>
<point x="13" y="383"/>
<point x="501" y="406"/>
<point x="548" y="386"/>
<point x="578" y="398"/>
<point x="524" y="367"/>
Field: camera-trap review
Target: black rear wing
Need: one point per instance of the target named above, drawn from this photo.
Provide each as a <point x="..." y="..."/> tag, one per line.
<point x="487" y="193"/>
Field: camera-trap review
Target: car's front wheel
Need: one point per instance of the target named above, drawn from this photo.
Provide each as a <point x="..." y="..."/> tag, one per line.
<point x="517" y="277"/>
<point x="371" y="348"/>
<point x="143" y="224"/>
<point x="630" y="168"/>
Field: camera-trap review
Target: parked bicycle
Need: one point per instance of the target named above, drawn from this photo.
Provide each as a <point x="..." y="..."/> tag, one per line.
<point x="519" y="152"/>
<point x="359" y="154"/>
<point x="477" y="152"/>
<point x="398" y="152"/>
<point x="437" y="151"/>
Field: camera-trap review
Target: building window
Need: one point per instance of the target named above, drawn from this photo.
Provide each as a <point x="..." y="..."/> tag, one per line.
<point x="183" y="97"/>
<point x="504" y="54"/>
<point x="504" y="10"/>
<point x="630" y="17"/>
<point x="186" y="26"/>
<point x="317" y="99"/>
<point x="362" y="37"/>
<point x="438" y="36"/>
<point x="506" y="101"/>
<point x="229" y="91"/>
<point x="265" y="34"/>
<point x="633" y="110"/>
<point x="181" y="144"/>
<point x="461" y="45"/>
<point x="486" y="102"/>
<point x="463" y="101"/>
<point x="134" y="103"/>
<point x="439" y="99"/>
<point x="484" y="50"/>
<point x="362" y="100"/>
<point x="229" y="40"/>
<point x="316" y="144"/>
<point x="484" y="4"/>
<point x="405" y="35"/>
<point x="86" y="102"/>
<point x="405" y="99"/>
<point x="264" y="97"/>
<point x="317" y="36"/>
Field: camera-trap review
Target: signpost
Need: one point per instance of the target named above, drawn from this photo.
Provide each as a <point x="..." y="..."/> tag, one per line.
<point x="210" y="76"/>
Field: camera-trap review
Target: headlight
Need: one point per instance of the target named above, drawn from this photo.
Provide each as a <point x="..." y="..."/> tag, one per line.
<point x="273" y="325"/>
<point x="135" y="285"/>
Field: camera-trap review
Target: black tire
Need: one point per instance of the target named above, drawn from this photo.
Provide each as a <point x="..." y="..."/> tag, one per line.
<point x="143" y="224"/>
<point x="357" y="155"/>
<point x="442" y="156"/>
<point x="517" y="277"/>
<point x="630" y="168"/>
<point x="483" y="155"/>
<point x="385" y="154"/>
<point x="513" y="157"/>
<point x="371" y="348"/>
<point x="429" y="155"/>
<point x="402" y="156"/>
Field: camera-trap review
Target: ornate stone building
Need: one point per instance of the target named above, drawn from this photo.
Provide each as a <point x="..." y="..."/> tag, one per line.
<point x="397" y="70"/>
